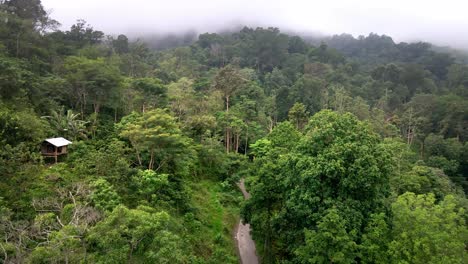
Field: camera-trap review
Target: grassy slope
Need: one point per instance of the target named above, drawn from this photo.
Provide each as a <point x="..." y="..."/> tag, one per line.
<point x="216" y="213"/>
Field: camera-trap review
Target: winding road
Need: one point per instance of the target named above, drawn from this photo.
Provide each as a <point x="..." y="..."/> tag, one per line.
<point x="245" y="244"/>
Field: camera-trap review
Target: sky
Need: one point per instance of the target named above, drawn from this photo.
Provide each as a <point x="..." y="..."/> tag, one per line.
<point x="442" y="22"/>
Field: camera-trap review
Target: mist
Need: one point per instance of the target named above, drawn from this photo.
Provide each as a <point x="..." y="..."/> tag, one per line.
<point x="439" y="22"/>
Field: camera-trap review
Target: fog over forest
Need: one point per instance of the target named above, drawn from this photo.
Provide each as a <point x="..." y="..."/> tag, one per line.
<point x="441" y="23"/>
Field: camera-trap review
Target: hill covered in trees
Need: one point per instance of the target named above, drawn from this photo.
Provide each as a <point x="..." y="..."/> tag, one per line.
<point x="353" y="150"/>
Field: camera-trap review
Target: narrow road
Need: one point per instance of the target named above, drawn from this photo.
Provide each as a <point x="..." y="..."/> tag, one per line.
<point x="245" y="244"/>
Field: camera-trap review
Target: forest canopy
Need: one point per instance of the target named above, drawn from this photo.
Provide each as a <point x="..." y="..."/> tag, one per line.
<point x="354" y="150"/>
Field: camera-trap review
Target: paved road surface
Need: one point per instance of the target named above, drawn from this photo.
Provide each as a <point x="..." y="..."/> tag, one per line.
<point x="245" y="244"/>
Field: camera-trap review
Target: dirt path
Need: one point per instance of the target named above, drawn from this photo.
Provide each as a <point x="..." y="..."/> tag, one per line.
<point x="245" y="244"/>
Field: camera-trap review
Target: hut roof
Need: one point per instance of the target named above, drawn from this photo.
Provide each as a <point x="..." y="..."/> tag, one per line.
<point x="58" y="142"/>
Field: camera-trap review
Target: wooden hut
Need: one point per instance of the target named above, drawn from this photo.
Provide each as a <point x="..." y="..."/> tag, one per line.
<point x="54" y="147"/>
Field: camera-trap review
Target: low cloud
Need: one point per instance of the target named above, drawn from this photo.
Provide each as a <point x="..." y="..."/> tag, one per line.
<point x="439" y="22"/>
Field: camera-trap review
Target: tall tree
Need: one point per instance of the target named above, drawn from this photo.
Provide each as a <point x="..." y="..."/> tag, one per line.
<point x="120" y="44"/>
<point x="157" y="133"/>
<point x="326" y="168"/>
<point x="93" y="82"/>
<point x="298" y="115"/>
<point x="228" y="81"/>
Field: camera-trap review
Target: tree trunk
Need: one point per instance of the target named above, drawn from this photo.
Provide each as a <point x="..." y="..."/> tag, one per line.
<point x="246" y="141"/>
<point x="271" y="125"/>
<point x="228" y="130"/>
<point x="422" y="150"/>
<point x="228" y="139"/>
<point x="410" y="135"/>
<point x="82" y="105"/>
<point x="96" y="108"/>
<point x="227" y="103"/>
<point x="150" y="166"/>
<point x="138" y="156"/>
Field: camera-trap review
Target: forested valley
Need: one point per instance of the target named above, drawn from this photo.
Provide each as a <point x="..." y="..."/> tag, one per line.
<point x="353" y="149"/>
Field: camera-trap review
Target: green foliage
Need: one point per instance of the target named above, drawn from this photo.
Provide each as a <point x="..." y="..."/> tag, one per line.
<point x="151" y="93"/>
<point x="447" y="155"/>
<point x="82" y="34"/>
<point x="228" y="81"/>
<point x="331" y="243"/>
<point x="309" y="91"/>
<point x="102" y="159"/>
<point x="325" y="54"/>
<point x="64" y="246"/>
<point x="267" y="48"/>
<point x="298" y="115"/>
<point x="149" y="184"/>
<point x="285" y="135"/>
<point x="157" y="133"/>
<point x="336" y="158"/>
<point x="214" y="217"/>
<point x="450" y="167"/>
<point x="374" y="246"/>
<point x="104" y="196"/>
<point x="20" y="126"/>
<point x="261" y="147"/>
<point x="135" y="235"/>
<point x="297" y="45"/>
<point x="266" y="185"/>
<point x="345" y="148"/>
<point x="426" y="232"/>
<point x="121" y="44"/>
<point x="335" y="190"/>
<point x="181" y="93"/>
<point x="95" y="80"/>
<point x="67" y="125"/>
<point x="326" y="168"/>
<point x="15" y="78"/>
<point x="436" y="145"/>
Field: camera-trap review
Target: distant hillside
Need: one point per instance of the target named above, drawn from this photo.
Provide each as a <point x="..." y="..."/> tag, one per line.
<point x="368" y="50"/>
<point x="461" y="56"/>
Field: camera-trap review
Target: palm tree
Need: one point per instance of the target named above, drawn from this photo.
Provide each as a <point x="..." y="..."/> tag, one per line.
<point x="67" y="124"/>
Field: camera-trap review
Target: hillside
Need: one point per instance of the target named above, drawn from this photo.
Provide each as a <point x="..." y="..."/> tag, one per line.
<point x="353" y="150"/>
